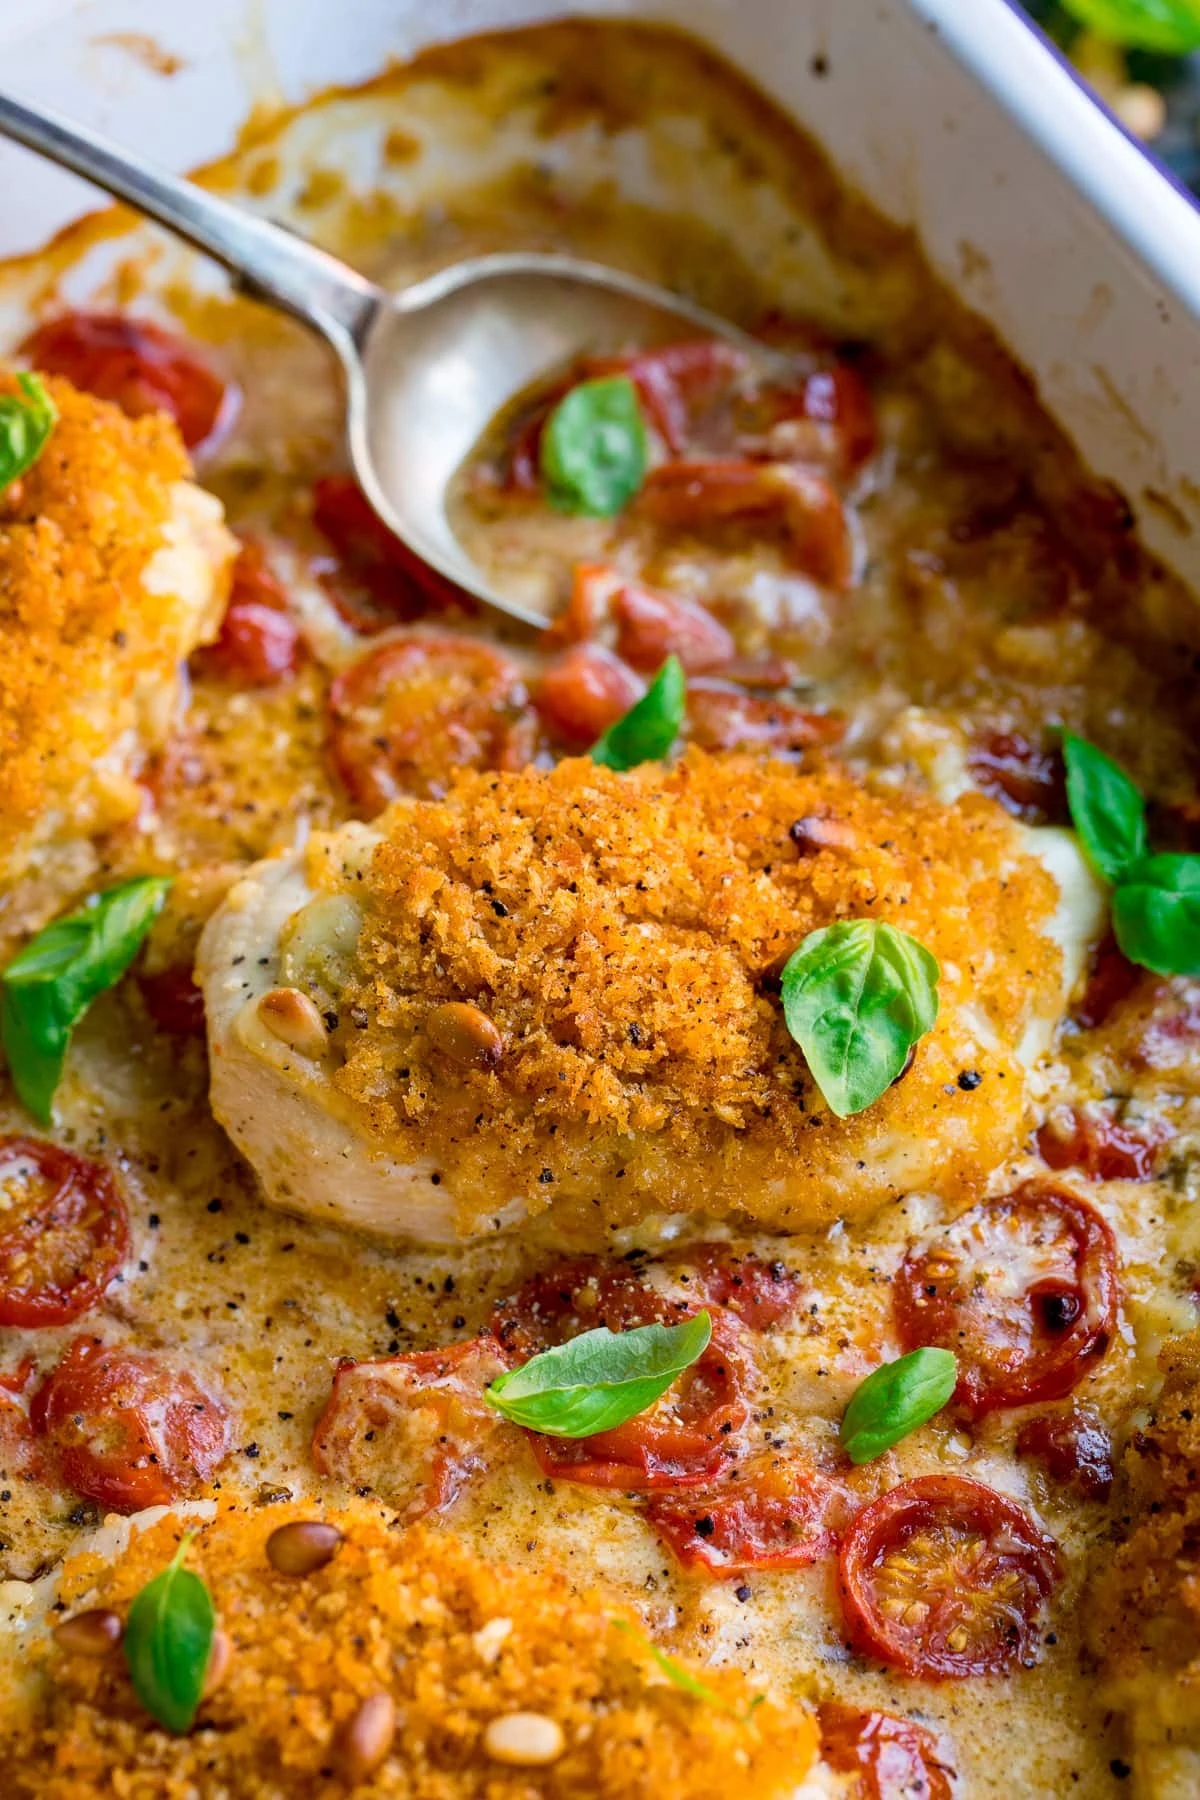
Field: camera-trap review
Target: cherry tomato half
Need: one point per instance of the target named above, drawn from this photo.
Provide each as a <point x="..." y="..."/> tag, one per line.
<point x="777" y="1515"/>
<point x="378" y="580"/>
<point x="582" y="692"/>
<point x="894" y="1759"/>
<point x="1073" y="1447"/>
<point x="259" y="643"/>
<point x="1029" y="780"/>
<point x="126" y="1429"/>
<point x="652" y="626"/>
<point x="761" y="1294"/>
<point x="411" y="1429"/>
<point x="138" y="366"/>
<point x="1090" y="1139"/>
<point x="724" y="717"/>
<point x="1022" y="1288"/>
<point x="1112" y="979"/>
<point x="174" y="1000"/>
<point x="945" y="1578"/>
<point x="414" y="709"/>
<point x="64" y="1233"/>
<point x="695" y="496"/>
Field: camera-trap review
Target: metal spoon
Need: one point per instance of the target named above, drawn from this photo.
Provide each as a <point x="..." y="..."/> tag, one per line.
<point x="426" y="368"/>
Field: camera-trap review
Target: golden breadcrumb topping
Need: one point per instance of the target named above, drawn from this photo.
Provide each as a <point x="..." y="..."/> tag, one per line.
<point x="456" y="1644"/>
<point x="625" y="936"/>
<point x="89" y="640"/>
<point x="1145" y="1600"/>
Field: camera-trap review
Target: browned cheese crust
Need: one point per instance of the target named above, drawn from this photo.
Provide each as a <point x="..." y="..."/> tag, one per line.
<point x="454" y="1641"/>
<point x="626" y="934"/>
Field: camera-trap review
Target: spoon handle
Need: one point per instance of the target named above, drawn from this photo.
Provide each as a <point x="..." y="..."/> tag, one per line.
<point x="267" y="260"/>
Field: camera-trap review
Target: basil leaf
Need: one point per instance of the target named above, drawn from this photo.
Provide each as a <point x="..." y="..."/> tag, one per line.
<point x="1107" y="810"/>
<point x="1171" y="26"/>
<point x="894" y="1399"/>
<point x="684" y="1679"/>
<point x="25" y="426"/>
<point x="650" y="727"/>
<point x="594" y="448"/>
<point x="857" y="996"/>
<point x="600" y="1379"/>
<point x="49" y="985"/>
<point x="1156" y="914"/>
<point x="168" y="1642"/>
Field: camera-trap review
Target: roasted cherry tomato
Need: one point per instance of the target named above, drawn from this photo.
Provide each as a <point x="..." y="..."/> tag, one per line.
<point x="696" y="496"/>
<point x="1022" y="1288"/>
<point x="777" y="1515"/>
<point x="676" y="382"/>
<point x="582" y="692"/>
<point x="724" y="717"/>
<point x="259" y="642"/>
<point x="826" y="419"/>
<point x="404" y="717"/>
<point x="944" y="1578"/>
<point x="411" y="1429"/>
<point x="64" y="1232"/>
<point x="594" y="586"/>
<point x="1074" y="1449"/>
<point x="379" y="580"/>
<point x="652" y="626"/>
<point x="174" y="1001"/>
<point x="1112" y="979"/>
<point x="761" y="1294"/>
<point x="139" y="366"/>
<point x="1029" y="780"/>
<point x="126" y="1429"/>
<point x="894" y="1759"/>
<point x="1090" y="1139"/>
<point x="685" y="1438"/>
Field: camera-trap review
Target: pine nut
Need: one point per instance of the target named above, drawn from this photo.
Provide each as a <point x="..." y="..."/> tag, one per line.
<point x="219" y="1659"/>
<point x="293" y="1018"/>
<point x="525" y="1740"/>
<point x="302" y="1546"/>
<point x="91" y="1633"/>
<point x="365" y="1739"/>
<point x="465" y="1034"/>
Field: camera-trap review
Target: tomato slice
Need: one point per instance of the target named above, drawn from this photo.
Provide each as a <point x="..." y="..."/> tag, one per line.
<point x="652" y="626"/>
<point x="412" y="1429"/>
<point x="698" y="495"/>
<point x="174" y="1001"/>
<point x="1090" y="1139"/>
<point x="414" y="709"/>
<point x="126" y="1429"/>
<point x="894" y="1759"/>
<point x="777" y="1514"/>
<point x="827" y="419"/>
<point x="1073" y="1447"/>
<point x="1022" y="1288"/>
<point x="944" y="1578"/>
<point x="761" y="1294"/>
<point x="63" y="1235"/>
<point x="685" y="1438"/>
<point x="1112" y="979"/>
<point x="379" y="580"/>
<point x="676" y="382"/>
<point x="724" y="717"/>
<point x="1029" y="780"/>
<point x="259" y="643"/>
<point x="582" y="692"/>
<point x="138" y="366"/>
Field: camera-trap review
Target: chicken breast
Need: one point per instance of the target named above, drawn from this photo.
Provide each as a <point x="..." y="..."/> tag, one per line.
<point x="556" y="993"/>
<point x="113" y="567"/>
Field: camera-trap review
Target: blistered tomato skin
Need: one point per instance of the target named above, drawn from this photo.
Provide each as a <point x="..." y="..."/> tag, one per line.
<point x="64" y="1232"/>
<point x="778" y="1514"/>
<point x="259" y="643"/>
<point x="894" y="1759"/>
<point x="584" y="691"/>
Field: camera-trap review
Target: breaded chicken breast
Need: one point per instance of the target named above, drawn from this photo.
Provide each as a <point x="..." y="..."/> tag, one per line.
<point x="481" y="1681"/>
<point x="1144" y="1604"/>
<point x="113" y="566"/>
<point x="556" y="992"/>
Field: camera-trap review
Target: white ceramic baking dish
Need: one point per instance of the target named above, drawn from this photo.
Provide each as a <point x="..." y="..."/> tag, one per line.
<point x="950" y="115"/>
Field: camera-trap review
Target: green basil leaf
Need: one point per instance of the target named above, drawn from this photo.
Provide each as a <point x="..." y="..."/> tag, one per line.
<point x="684" y="1679"/>
<point x="49" y="985"/>
<point x="600" y="1379"/>
<point x="894" y="1399"/>
<point x="857" y="996"/>
<point x="1107" y="810"/>
<point x="650" y="727"/>
<point x="168" y="1642"/>
<point x="594" y="448"/>
<point x="1156" y="914"/>
<point x="25" y="426"/>
<point x="1170" y="26"/>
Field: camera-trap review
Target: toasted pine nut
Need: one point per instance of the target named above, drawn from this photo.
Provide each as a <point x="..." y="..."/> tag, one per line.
<point x="526" y="1740"/>
<point x="219" y="1659"/>
<point x="813" y="833"/>
<point x="91" y="1633"/>
<point x="293" y="1018"/>
<point x="302" y="1546"/>
<point x="465" y="1034"/>
<point x="365" y="1739"/>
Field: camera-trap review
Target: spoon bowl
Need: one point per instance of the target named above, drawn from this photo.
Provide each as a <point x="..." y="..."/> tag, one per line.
<point x="427" y="367"/>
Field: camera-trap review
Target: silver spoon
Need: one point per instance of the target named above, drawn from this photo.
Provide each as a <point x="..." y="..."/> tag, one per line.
<point x="426" y="368"/>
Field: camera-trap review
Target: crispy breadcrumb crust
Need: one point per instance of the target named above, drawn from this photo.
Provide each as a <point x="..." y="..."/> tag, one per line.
<point x="87" y="650"/>
<point x="1145" y="1600"/>
<point x="397" y="1613"/>
<point x="626" y="933"/>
